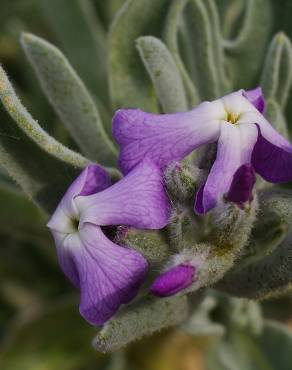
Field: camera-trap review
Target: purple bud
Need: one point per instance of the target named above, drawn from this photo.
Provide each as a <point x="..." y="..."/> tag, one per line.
<point x="174" y="280"/>
<point x="242" y="184"/>
<point x="256" y="98"/>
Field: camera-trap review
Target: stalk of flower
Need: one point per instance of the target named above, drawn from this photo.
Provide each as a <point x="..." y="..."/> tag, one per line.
<point x="107" y="274"/>
<point x="232" y="222"/>
<point x="235" y="122"/>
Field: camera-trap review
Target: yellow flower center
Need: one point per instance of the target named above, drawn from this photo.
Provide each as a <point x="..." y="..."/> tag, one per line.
<point x="232" y="117"/>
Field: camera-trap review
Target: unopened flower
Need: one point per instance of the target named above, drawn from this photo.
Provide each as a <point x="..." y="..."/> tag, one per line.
<point x="107" y="274"/>
<point x="235" y="122"/>
<point x="240" y="191"/>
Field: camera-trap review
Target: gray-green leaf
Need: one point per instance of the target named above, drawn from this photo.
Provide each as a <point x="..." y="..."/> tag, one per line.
<point x="70" y="99"/>
<point x="164" y="74"/>
<point x="129" y="83"/>
<point x="277" y="73"/>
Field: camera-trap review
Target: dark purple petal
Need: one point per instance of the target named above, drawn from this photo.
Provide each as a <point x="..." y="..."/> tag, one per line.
<point x="242" y="184"/>
<point x="138" y="200"/>
<point x="173" y="280"/>
<point x="272" y="162"/>
<point x="166" y="137"/>
<point x="91" y="180"/>
<point x="220" y="177"/>
<point x="256" y="98"/>
<point x="108" y="275"/>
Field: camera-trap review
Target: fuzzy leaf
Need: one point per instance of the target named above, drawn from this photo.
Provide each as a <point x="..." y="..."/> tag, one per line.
<point x="70" y="99"/>
<point x="43" y="177"/>
<point x="37" y="162"/>
<point x="108" y="9"/>
<point x="219" y="57"/>
<point x="86" y="49"/>
<point x="265" y="269"/>
<point x="207" y="50"/>
<point x="263" y="278"/>
<point x="241" y="351"/>
<point x="246" y="51"/>
<point x="277" y="73"/>
<point x="164" y="74"/>
<point x="171" y="35"/>
<point x="276" y="117"/>
<point x="31" y="127"/>
<point x="129" y="83"/>
<point x="141" y="319"/>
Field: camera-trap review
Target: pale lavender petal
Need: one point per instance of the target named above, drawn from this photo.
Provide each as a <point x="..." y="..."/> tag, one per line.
<point x="65" y="258"/>
<point x="220" y="177"/>
<point x="242" y="184"/>
<point x="109" y="275"/>
<point x="248" y="139"/>
<point x="138" y="200"/>
<point x="256" y="98"/>
<point x="272" y="162"/>
<point x="267" y="131"/>
<point x="91" y="180"/>
<point x="174" y="280"/>
<point x="164" y="137"/>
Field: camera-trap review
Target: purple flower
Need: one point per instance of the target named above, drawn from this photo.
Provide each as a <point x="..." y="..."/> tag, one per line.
<point x="107" y="274"/>
<point x="173" y="280"/>
<point x="234" y="122"/>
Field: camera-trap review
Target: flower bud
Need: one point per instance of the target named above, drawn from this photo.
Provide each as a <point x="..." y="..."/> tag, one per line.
<point x="182" y="180"/>
<point x="173" y="280"/>
<point x="240" y="191"/>
<point x="149" y="243"/>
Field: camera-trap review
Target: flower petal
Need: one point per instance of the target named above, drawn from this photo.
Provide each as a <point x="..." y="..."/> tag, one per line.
<point x="166" y="137"/>
<point x="267" y="130"/>
<point x="256" y="98"/>
<point x="220" y="177"/>
<point x="65" y="258"/>
<point x="174" y="280"/>
<point x="109" y="275"/>
<point x="242" y="184"/>
<point x="138" y="200"/>
<point x="272" y="162"/>
<point x="91" y="180"/>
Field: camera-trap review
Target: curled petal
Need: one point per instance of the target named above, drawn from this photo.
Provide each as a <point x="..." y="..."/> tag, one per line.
<point x="166" y="137"/>
<point x="242" y="184"/>
<point x="91" y="180"/>
<point x="256" y="98"/>
<point x="227" y="161"/>
<point x="138" y="200"/>
<point x="272" y="162"/>
<point x="174" y="280"/>
<point x="108" y="275"/>
<point x="65" y="258"/>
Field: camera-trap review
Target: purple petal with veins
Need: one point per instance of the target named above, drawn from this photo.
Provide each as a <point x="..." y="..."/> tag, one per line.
<point x="106" y="274"/>
<point x="138" y="200"/>
<point x="162" y="137"/>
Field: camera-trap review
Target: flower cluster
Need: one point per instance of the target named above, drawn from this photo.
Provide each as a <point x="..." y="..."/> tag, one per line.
<point x="108" y="274"/>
